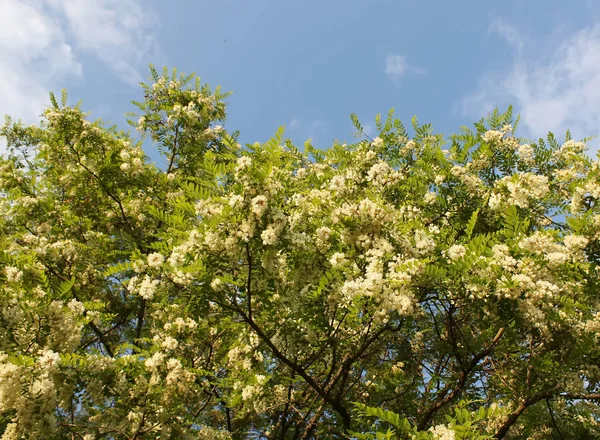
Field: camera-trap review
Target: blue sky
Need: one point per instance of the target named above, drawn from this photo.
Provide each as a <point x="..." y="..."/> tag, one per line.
<point x="309" y="64"/>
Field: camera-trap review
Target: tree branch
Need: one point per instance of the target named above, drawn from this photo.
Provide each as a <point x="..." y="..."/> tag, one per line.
<point x="448" y="393"/>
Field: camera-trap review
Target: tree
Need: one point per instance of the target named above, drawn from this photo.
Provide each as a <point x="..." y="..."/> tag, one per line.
<point x="399" y="286"/>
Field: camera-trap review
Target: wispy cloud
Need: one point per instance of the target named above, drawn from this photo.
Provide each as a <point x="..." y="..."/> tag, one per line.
<point x="312" y="130"/>
<point x="396" y="67"/>
<point x="508" y="32"/>
<point x="369" y="129"/>
<point x="41" y="42"/>
<point x="117" y="32"/>
<point x="552" y="91"/>
<point x="295" y="124"/>
<point x="35" y="52"/>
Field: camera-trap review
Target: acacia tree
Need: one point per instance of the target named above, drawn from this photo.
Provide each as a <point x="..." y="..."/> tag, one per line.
<point x="398" y="287"/>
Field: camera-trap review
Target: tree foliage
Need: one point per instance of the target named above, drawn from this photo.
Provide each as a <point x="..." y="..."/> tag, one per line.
<point x="406" y="286"/>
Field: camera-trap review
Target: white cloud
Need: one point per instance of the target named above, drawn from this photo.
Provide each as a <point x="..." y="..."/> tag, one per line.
<point x="295" y="124"/>
<point x="307" y="130"/>
<point x="118" y="32"/>
<point x="552" y="91"/>
<point x="369" y="129"/>
<point x="34" y="52"/>
<point x="396" y="67"/>
<point x="40" y="41"/>
<point x="508" y="32"/>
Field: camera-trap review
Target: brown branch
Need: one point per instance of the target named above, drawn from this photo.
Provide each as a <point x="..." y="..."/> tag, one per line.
<point x="91" y="324"/>
<point x="449" y="393"/>
<point x="248" y="318"/>
<point x="553" y="419"/>
<point x="140" y="321"/>
<point x="249" y="281"/>
<point x="513" y="417"/>
<point x="347" y="364"/>
<point x="345" y="415"/>
<point x="573" y="396"/>
<point x="174" y="149"/>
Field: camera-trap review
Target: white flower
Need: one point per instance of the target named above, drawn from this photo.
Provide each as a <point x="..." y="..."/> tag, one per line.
<point x="492" y="136"/>
<point x="430" y="197"/>
<point x="243" y="163"/>
<point x="217" y="284"/>
<point x="236" y="200"/>
<point x="575" y="242"/>
<point x="337" y="183"/>
<point x="495" y="201"/>
<point x="442" y="432"/>
<point x="338" y="259"/>
<point x="259" y="205"/>
<point x="170" y="343"/>
<point x="377" y="142"/>
<point x="124" y="155"/>
<point x="155" y="259"/>
<point x="76" y="306"/>
<point x="11" y="432"/>
<point x="456" y="251"/>
<point x="557" y="258"/>
<point x="49" y="359"/>
<point x="132" y="284"/>
<point x="423" y="242"/>
<point x="148" y="287"/>
<point x="525" y="152"/>
<point x="155" y="361"/>
<point x="13" y="274"/>
<point x="269" y="235"/>
<point x="246" y="231"/>
<point x="323" y="234"/>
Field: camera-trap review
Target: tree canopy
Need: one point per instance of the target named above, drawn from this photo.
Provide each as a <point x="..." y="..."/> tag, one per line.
<point x="412" y="285"/>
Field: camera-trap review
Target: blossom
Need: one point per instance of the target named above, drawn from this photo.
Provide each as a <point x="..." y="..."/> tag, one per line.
<point x="525" y="152"/>
<point x="430" y="197"/>
<point x="269" y="236"/>
<point x="76" y="306"/>
<point x="236" y="200"/>
<point x="492" y="136"/>
<point x="338" y="259"/>
<point x="259" y="205"/>
<point x="155" y="259"/>
<point x="424" y="244"/>
<point x="13" y="274"/>
<point x="524" y="187"/>
<point x="217" y="284"/>
<point x="377" y="142"/>
<point x="575" y="242"/>
<point x="49" y="359"/>
<point x="155" y="361"/>
<point x="337" y="183"/>
<point x="323" y="234"/>
<point x="243" y="163"/>
<point x="442" y="432"/>
<point x="170" y="343"/>
<point x="147" y="288"/>
<point x="456" y="251"/>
